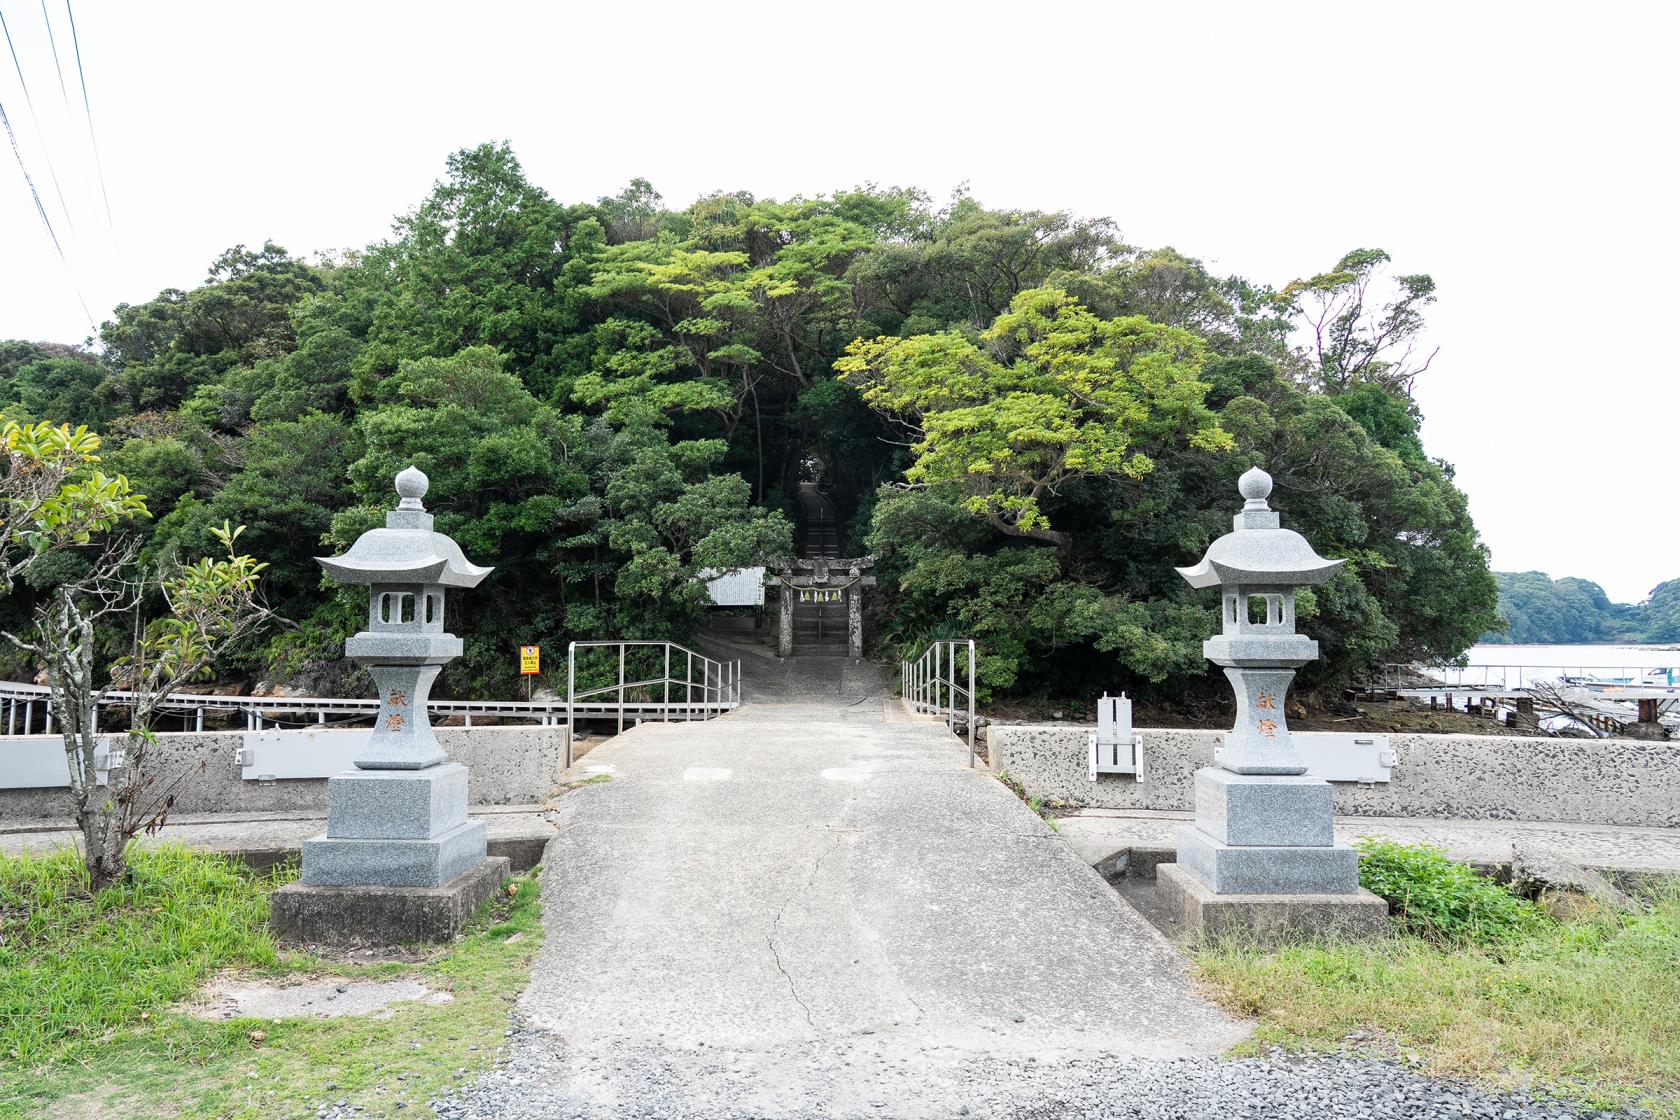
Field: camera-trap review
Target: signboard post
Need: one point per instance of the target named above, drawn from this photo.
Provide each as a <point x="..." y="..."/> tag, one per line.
<point x="530" y="664"/>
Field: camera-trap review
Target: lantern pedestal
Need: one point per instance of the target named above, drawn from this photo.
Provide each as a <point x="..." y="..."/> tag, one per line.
<point x="395" y="828"/>
<point x="386" y="915"/>
<point x="1266" y="919"/>
<point x="1261" y="864"/>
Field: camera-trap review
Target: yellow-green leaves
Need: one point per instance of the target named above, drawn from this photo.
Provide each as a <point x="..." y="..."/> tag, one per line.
<point x="1055" y="394"/>
<point x="209" y="602"/>
<point x="48" y="495"/>
<point x="80" y="509"/>
<point x="44" y="442"/>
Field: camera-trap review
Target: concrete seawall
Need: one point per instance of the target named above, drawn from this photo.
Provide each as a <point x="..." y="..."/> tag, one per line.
<point x="1467" y="777"/>
<point x="505" y="766"/>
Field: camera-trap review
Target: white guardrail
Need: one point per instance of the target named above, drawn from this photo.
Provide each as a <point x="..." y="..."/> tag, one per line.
<point x="930" y="684"/>
<point x="707" y="688"/>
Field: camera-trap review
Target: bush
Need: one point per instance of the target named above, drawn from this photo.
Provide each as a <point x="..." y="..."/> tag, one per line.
<point x="1435" y="897"/>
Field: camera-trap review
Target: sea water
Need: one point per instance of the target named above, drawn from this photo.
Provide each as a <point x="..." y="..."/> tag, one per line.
<point x="1511" y="665"/>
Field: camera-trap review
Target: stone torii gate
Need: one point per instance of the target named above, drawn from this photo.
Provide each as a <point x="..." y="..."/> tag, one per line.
<point x="820" y="580"/>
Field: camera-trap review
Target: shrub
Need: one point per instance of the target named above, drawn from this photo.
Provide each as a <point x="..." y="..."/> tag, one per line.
<point x="1436" y="897"/>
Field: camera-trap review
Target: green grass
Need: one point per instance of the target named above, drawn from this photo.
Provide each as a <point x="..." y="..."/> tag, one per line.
<point x="73" y="965"/>
<point x="86" y="987"/>
<point x="1587" y="1009"/>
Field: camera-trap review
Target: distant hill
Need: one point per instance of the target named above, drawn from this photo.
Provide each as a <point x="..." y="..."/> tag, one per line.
<point x="1538" y="609"/>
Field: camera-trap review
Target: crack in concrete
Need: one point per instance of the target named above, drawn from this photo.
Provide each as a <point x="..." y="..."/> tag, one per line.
<point x="770" y="938"/>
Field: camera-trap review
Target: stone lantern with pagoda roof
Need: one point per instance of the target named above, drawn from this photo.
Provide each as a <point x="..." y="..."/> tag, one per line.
<point x="399" y="861"/>
<point x="1261" y="857"/>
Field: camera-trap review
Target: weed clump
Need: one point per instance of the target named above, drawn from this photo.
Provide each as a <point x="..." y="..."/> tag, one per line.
<point x="1440" y="899"/>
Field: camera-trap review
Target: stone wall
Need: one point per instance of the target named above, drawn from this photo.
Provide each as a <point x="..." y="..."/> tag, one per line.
<point x="1473" y="777"/>
<point x="517" y="765"/>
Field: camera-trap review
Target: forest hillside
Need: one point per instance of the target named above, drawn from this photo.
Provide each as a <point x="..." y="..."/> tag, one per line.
<point x="1029" y="421"/>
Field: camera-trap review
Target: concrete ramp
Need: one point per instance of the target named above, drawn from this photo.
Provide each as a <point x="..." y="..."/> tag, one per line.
<point x="793" y="905"/>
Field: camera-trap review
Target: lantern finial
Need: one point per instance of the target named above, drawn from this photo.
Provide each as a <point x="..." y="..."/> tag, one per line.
<point x="412" y="485"/>
<point x="1256" y="486"/>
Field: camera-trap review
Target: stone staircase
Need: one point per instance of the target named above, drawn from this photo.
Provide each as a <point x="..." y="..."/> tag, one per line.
<point x="819" y="525"/>
<point x="819" y="629"/>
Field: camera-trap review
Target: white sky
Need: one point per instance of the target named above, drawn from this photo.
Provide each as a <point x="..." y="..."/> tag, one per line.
<point x="1524" y="154"/>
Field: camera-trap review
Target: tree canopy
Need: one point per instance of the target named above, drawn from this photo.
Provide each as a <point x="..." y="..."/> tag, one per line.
<point x="1030" y="421"/>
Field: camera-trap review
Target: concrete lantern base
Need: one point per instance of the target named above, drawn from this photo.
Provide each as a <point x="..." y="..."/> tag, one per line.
<point x="1202" y="916"/>
<point x="395" y="828"/>
<point x="384" y="915"/>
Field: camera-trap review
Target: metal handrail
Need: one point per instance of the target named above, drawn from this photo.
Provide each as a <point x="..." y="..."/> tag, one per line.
<point x="930" y="693"/>
<point x="18" y="702"/>
<point x="719" y="683"/>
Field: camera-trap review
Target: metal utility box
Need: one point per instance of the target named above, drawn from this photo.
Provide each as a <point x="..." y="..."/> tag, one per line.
<point x="1339" y="756"/>
<point x="1114" y="747"/>
<point x="269" y="755"/>
<point x="38" y="762"/>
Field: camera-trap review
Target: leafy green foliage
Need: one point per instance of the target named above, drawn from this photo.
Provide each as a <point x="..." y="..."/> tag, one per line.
<point x="1060" y="395"/>
<point x="52" y="496"/>
<point x="209" y="602"/>
<point x="1433" y="896"/>
<point x="1031" y="421"/>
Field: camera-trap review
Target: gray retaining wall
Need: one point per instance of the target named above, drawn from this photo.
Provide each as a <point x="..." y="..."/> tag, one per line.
<point x="505" y="766"/>
<point x="1469" y="777"/>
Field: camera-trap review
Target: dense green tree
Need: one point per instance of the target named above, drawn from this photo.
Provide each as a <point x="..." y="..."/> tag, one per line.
<point x="1058" y="395"/>
<point x="65" y="390"/>
<point x="475" y="264"/>
<point x="165" y="348"/>
<point x="1031" y="421"/>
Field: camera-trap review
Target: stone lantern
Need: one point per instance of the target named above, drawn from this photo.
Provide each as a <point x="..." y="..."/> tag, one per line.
<point x="1258" y="566"/>
<point x="407" y="568"/>
<point x="399" y="861"/>
<point x="1262" y="856"/>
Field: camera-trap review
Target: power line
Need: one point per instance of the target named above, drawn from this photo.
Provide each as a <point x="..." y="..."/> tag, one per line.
<point x="54" y="44"/>
<point x="42" y="210"/>
<point x="87" y="106"/>
<point x="39" y="135"/>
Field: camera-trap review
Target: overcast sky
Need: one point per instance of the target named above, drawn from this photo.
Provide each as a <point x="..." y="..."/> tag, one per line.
<point x="1524" y="154"/>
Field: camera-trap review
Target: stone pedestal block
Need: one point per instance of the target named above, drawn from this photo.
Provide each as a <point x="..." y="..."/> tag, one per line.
<point x="397" y="804"/>
<point x="341" y="915"/>
<point x="1229" y="869"/>
<point x="1263" y="809"/>
<point x="331" y="861"/>
<point x="1199" y="914"/>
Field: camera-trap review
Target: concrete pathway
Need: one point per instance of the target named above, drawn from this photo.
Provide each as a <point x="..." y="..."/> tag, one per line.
<point x="810" y="910"/>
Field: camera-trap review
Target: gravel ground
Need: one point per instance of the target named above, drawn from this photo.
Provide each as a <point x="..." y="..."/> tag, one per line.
<point x="545" y="1078"/>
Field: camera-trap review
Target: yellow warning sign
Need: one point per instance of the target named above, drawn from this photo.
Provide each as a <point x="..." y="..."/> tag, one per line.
<point x="530" y="658"/>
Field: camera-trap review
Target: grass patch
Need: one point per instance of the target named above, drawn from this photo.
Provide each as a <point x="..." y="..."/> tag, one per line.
<point x="1587" y="1009"/>
<point x="74" y="965"/>
<point x="187" y="916"/>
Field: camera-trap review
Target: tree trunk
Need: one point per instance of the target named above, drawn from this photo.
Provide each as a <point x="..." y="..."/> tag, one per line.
<point x="758" y="433"/>
<point x="99" y="816"/>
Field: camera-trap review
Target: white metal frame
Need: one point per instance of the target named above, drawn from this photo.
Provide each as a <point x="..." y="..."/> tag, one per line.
<point x="719" y="686"/>
<point x="929" y="685"/>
